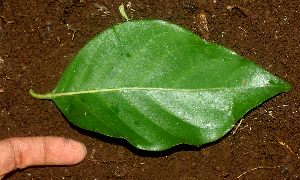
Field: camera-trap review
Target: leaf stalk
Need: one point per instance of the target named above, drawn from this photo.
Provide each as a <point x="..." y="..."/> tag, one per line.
<point x="40" y="96"/>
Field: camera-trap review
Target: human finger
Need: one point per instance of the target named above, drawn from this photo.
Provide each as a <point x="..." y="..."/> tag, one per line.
<point x="21" y="152"/>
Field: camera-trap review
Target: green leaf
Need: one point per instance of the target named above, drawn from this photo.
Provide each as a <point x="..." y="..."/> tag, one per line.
<point x="157" y="85"/>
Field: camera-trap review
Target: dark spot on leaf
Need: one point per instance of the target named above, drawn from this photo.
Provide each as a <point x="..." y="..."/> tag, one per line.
<point x="128" y="55"/>
<point x="71" y="108"/>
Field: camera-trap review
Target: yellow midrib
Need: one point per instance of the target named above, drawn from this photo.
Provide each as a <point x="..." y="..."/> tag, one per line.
<point x="52" y="95"/>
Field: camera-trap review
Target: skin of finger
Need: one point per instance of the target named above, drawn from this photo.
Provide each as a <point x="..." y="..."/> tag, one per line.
<point x="30" y="151"/>
<point x="7" y="162"/>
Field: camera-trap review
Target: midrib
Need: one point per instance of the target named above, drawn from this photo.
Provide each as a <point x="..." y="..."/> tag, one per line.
<point x="53" y="95"/>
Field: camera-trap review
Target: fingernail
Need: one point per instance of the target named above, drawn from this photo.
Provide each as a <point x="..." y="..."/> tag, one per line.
<point x="84" y="148"/>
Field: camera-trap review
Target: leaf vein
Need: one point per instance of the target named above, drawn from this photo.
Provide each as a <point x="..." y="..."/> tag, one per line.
<point x="187" y="73"/>
<point x="155" y="64"/>
<point x="121" y="118"/>
<point x="91" y="111"/>
<point x="51" y="95"/>
<point x="89" y="63"/>
<point x="148" y="117"/>
<point x="136" y="54"/>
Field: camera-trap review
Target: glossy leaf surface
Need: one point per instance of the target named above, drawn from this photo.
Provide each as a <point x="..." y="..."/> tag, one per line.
<point x="157" y="85"/>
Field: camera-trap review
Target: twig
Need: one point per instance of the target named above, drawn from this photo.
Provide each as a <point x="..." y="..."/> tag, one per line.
<point x="239" y="124"/>
<point x="287" y="146"/>
<point x="95" y="160"/>
<point x="260" y="167"/>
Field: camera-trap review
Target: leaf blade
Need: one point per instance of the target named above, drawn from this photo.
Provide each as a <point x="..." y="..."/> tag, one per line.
<point x="157" y="85"/>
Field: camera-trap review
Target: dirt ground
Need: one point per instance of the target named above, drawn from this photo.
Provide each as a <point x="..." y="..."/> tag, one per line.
<point x="39" y="39"/>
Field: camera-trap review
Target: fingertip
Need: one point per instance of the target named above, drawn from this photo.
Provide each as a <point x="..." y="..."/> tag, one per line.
<point x="82" y="151"/>
<point x="71" y="151"/>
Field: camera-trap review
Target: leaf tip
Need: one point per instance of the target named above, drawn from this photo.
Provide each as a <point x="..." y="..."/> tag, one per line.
<point x="288" y="86"/>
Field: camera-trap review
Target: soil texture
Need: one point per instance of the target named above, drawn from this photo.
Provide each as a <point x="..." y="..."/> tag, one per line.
<point x="39" y="39"/>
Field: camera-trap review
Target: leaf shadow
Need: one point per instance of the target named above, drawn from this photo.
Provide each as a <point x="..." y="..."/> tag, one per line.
<point x="139" y="152"/>
<point x="154" y="154"/>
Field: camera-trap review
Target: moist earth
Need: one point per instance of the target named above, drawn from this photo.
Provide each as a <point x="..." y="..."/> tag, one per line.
<point x="39" y="39"/>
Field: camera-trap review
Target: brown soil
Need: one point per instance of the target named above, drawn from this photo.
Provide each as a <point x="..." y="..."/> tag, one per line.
<point x="40" y="38"/>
